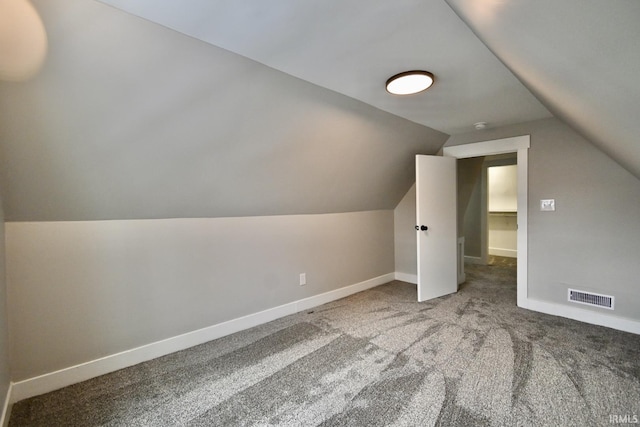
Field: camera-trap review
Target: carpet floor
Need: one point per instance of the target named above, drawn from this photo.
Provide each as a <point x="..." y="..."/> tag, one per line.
<point x="377" y="358"/>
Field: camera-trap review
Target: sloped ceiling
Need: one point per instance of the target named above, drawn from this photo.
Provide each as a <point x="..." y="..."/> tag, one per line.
<point x="353" y="46"/>
<point x="157" y="108"/>
<point x="581" y="58"/>
<point x="578" y="57"/>
<point x="130" y="120"/>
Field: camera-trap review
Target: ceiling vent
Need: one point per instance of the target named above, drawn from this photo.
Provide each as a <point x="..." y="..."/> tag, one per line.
<point x="589" y="298"/>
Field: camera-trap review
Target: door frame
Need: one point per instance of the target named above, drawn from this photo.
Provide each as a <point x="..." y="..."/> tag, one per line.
<point x="519" y="145"/>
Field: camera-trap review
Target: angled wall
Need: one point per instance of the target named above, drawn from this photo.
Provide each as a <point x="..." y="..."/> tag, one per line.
<point x="131" y="120"/>
<point x="585" y="74"/>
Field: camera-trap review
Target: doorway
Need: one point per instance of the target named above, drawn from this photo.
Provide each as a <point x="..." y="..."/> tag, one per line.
<point x="502" y="209"/>
<point x="487" y="208"/>
<point x="520" y="146"/>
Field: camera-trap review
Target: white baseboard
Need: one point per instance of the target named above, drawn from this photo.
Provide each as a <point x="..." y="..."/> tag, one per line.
<point x="316" y="300"/>
<point x="582" y="315"/>
<point x="406" y="277"/>
<point x="510" y="253"/>
<point x="82" y="372"/>
<point x="575" y="313"/>
<point x="74" y="374"/>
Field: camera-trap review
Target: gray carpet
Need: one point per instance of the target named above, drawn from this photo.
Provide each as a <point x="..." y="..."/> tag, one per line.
<point x="377" y="358"/>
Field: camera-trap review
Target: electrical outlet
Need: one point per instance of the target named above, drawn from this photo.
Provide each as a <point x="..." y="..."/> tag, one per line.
<point x="303" y="279"/>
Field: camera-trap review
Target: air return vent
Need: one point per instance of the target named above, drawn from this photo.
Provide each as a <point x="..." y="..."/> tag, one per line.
<point x="589" y="298"/>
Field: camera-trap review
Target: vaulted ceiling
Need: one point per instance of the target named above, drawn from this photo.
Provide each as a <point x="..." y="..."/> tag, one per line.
<point x="580" y="58"/>
<point x="352" y="47"/>
<point x="205" y="108"/>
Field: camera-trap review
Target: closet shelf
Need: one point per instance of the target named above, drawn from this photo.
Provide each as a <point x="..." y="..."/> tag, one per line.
<point x="503" y="213"/>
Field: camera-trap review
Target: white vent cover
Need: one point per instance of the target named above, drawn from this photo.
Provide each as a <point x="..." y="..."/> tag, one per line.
<point x="589" y="298"/>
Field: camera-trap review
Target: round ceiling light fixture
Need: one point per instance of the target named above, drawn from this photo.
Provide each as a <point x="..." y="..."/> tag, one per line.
<point x="23" y="41"/>
<point x="410" y="82"/>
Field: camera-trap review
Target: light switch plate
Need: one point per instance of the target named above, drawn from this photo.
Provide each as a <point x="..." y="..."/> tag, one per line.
<point x="548" y="204"/>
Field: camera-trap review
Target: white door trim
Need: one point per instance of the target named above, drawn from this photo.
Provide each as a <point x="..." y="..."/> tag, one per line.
<point x="488" y="148"/>
<point x="520" y="145"/>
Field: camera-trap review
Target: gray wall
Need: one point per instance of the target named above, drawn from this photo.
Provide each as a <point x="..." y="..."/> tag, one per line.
<point x="131" y="120"/>
<point x="532" y="40"/>
<point x="84" y="290"/>
<point x="5" y="377"/>
<point x="592" y="241"/>
<point x="470" y="205"/>
<point x="130" y="124"/>
<point x="406" y="257"/>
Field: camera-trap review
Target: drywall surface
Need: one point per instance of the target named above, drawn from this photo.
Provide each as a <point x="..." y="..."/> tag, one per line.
<point x="470" y="204"/>
<point x="502" y="234"/>
<point x="554" y="48"/>
<point x="502" y="198"/>
<point x="5" y="375"/>
<point x="406" y="257"/>
<point x="592" y="241"/>
<point x="79" y="291"/>
<point x="503" y="188"/>
<point x="405" y="217"/>
<point x="131" y="120"/>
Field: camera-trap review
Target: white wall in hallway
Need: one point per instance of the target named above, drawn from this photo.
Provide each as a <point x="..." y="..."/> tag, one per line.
<point x="503" y="205"/>
<point x="503" y="188"/>
<point x="503" y="234"/>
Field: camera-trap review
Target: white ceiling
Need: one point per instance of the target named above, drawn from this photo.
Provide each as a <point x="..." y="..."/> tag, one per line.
<point x="352" y="47"/>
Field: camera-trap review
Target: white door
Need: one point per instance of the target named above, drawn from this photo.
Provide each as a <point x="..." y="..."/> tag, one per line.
<point x="436" y="216"/>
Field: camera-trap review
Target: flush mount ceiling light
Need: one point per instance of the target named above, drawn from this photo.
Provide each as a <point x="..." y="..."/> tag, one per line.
<point x="410" y="82"/>
<point x="23" y="40"/>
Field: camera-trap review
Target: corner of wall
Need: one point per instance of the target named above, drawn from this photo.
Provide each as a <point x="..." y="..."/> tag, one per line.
<point x="5" y="377"/>
<point x="6" y="408"/>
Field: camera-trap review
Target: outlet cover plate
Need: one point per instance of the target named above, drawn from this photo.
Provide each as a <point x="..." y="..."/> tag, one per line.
<point x="548" y="204"/>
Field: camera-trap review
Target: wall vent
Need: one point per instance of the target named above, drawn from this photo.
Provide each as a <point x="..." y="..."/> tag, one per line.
<point x="589" y="298"/>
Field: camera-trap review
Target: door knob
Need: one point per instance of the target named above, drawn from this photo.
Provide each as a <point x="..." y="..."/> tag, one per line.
<point x="422" y="227"/>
